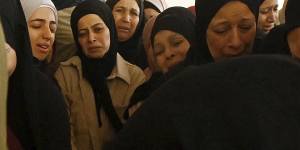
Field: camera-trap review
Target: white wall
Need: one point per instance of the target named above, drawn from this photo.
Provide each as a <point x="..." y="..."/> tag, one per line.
<point x="187" y="3"/>
<point x="184" y="3"/>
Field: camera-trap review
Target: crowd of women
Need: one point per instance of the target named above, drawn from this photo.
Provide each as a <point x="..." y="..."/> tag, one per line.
<point x="139" y="75"/>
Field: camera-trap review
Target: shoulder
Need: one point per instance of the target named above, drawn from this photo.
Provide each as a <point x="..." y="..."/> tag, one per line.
<point x="134" y="72"/>
<point x="70" y="68"/>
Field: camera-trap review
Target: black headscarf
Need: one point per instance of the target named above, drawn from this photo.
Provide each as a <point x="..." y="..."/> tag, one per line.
<point x="274" y="43"/>
<point x="150" y="5"/>
<point x="230" y="105"/>
<point x="205" y="12"/>
<point x="129" y="49"/>
<point x="35" y="111"/>
<point x="179" y="20"/>
<point x="292" y="18"/>
<point x="97" y="70"/>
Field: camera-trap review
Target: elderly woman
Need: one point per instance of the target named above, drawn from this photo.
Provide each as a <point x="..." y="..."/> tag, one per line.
<point x="98" y="82"/>
<point x="128" y="16"/>
<point x="224" y="28"/>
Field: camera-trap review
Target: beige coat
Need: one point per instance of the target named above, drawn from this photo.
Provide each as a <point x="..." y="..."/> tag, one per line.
<point x="86" y="133"/>
<point x="3" y="91"/>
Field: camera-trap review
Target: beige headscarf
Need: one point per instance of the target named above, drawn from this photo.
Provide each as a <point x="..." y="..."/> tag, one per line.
<point x="3" y="91"/>
<point x="30" y="6"/>
<point x="160" y="4"/>
<point x="147" y="43"/>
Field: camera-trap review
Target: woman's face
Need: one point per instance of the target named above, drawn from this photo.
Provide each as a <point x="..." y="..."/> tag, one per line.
<point x="93" y="36"/>
<point x="170" y="49"/>
<point x="293" y="39"/>
<point x="268" y="14"/>
<point x="232" y="31"/>
<point x="126" y="14"/>
<point x="149" y="13"/>
<point x="41" y="28"/>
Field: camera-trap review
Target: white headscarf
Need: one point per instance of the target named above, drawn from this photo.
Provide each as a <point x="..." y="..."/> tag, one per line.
<point x="30" y="6"/>
<point x="160" y="4"/>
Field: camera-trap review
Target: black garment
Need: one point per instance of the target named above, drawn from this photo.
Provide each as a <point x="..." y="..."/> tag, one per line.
<point x="129" y="49"/>
<point x="177" y="19"/>
<point x="205" y="12"/>
<point x="36" y="111"/>
<point x="249" y="103"/>
<point x="141" y="57"/>
<point x="150" y="5"/>
<point x="145" y="90"/>
<point x="292" y="18"/>
<point x="97" y="70"/>
<point x="274" y="43"/>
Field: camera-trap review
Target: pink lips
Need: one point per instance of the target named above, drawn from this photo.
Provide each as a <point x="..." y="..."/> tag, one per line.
<point x="123" y="28"/>
<point x="43" y="47"/>
<point x="93" y="48"/>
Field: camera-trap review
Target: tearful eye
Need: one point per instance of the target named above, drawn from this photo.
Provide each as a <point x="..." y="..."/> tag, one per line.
<point x="53" y="28"/>
<point x="220" y="31"/>
<point x="98" y="29"/>
<point x="177" y="43"/>
<point x="82" y="34"/>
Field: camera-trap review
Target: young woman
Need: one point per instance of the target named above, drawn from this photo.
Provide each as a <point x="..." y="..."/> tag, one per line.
<point x="36" y="112"/>
<point x="41" y="17"/>
<point x="98" y="82"/>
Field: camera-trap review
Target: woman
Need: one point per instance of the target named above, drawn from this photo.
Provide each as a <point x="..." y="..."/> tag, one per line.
<point x="221" y="106"/>
<point x="36" y="113"/>
<point x="170" y="46"/>
<point x="41" y="17"/>
<point x="267" y="19"/>
<point x="224" y="29"/>
<point x="98" y="83"/>
<point x="284" y="39"/>
<point x="268" y="15"/>
<point x="128" y="17"/>
<point x="153" y="8"/>
<point x="170" y="43"/>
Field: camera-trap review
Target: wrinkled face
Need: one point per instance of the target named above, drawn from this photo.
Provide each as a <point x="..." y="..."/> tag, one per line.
<point x="268" y="14"/>
<point x="293" y="39"/>
<point x="149" y="13"/>
<point x="231" y="32"/>
<point x="170" y="49"/>
<point x="93" y="36"/>
<point x="126" y="14"/>
<point x="41" y="28"/>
